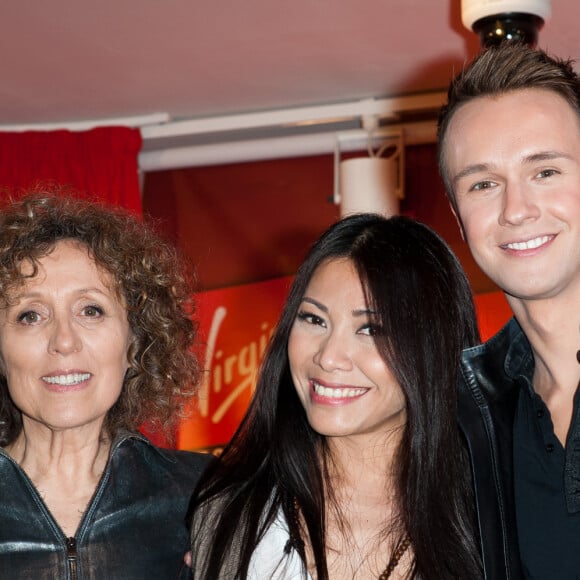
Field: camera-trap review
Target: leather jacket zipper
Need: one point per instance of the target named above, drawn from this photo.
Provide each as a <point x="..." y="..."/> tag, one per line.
<point x="71" y="557"/>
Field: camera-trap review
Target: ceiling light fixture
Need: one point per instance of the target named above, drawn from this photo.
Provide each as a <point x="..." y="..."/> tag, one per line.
<point x="496" y="21"/>
<point x="373" y="182"/>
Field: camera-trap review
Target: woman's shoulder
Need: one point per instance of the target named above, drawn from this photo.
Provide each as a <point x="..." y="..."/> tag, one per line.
<point x="141" y="454"/>
<point x="186" y="459"/>
<point x="275" y="556"/>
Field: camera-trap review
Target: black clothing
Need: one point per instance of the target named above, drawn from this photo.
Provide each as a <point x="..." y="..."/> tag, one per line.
<point x="522" y="474"/>
<point x="547" y="493"/>
<point x="134" y="527"/>
<point x="487" y="402"/>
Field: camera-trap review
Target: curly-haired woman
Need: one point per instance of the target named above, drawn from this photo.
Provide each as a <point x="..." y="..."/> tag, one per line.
<point x="95" y="340"/>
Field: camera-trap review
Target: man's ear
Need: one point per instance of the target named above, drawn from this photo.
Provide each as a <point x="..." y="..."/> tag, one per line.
<point x="459" y="222"/>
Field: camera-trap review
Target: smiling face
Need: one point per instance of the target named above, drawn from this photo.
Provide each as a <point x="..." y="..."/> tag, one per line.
<point x="514" y="162"/>
<point x="345" y="386"/>
<point x="64" y="341"/>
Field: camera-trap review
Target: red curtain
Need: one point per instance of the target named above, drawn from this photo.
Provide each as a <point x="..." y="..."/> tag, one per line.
<point x="99" y="164"/>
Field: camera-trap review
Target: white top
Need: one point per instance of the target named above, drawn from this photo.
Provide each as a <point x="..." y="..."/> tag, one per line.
<point x="270" y="562"/>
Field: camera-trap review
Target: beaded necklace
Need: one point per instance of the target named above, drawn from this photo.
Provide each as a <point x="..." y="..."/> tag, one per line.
<point x="401" y="548"/>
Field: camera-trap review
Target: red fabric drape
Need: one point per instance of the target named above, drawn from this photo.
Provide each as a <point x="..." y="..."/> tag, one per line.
<point x="99" y="164"/>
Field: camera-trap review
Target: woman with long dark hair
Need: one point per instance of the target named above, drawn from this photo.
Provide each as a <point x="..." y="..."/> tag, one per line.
<point x="349" y="462"/>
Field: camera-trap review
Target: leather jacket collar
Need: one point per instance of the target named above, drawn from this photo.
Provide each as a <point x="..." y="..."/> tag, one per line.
<point x="491" y="377"/>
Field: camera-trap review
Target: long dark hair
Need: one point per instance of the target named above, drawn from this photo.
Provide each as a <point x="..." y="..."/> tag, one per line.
<point x="425" y="308"/>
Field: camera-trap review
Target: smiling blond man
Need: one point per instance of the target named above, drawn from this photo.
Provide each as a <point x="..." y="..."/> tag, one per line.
<point x="509" y="154"/>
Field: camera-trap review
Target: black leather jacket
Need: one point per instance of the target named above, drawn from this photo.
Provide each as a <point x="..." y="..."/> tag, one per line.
<point x="133" y="528"/>
<point x="488" y="395"/>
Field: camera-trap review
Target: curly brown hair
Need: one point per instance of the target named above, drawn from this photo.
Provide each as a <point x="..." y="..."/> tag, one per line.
<point x="153" y="281"/>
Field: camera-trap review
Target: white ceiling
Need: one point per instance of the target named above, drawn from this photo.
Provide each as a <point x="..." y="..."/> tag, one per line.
<point x="75" y="60"/>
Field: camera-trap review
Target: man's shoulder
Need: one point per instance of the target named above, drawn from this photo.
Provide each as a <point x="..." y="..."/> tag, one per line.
<point x="491" y="370"/>
<point x="510" y="341"/>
